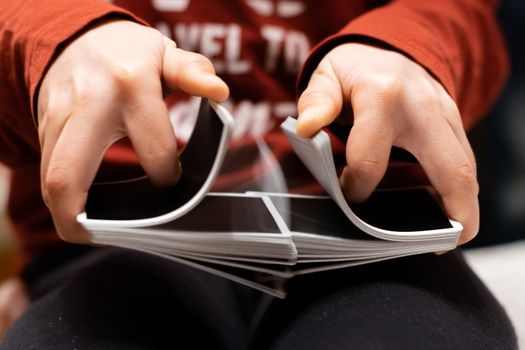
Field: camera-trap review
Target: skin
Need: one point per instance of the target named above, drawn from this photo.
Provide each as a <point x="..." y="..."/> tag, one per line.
<point x="116" y="74"/>
<point x="113" y="92"/>
<point x="395" y="102"/>
<point x="13" y="301"/>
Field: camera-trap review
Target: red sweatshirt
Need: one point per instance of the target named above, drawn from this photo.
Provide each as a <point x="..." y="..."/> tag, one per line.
<point x="257" y="46"/>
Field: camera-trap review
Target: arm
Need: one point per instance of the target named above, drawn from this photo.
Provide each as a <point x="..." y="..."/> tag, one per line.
<point x="421" y="72"/>
<point x="79" y="63"/>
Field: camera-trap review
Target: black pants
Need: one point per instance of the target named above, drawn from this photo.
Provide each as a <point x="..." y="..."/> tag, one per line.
<point x="117" y="299"/>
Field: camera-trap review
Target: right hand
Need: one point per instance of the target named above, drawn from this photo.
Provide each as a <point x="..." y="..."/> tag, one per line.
<point x="395" y="102"/>
<point x="105" y="85"/>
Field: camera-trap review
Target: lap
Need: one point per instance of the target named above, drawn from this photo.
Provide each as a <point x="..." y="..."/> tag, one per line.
<point x="118" y="299"/>
<point x="423" y="301"/>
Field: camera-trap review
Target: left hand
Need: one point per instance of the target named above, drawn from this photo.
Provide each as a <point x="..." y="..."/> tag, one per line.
<point x="395" y="102"/>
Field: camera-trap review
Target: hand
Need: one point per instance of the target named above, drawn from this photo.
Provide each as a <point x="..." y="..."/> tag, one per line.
<point x="395" y="102"/>
<point x="13" y="302"/>
<point x="107" y="84"/>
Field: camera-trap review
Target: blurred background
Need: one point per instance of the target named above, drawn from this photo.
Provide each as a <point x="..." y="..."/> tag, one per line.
<point x="498" y="253"/>
<point x="6" y="250"/>
<point x="499" y="144"/>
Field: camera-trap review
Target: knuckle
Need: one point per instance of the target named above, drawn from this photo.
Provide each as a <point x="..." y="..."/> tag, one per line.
<point x="200" y="62"/>
<point x="469" y="234"/>
<point x="466" y="180"/>
<point x="83" y="96"/>
<point x="387" y="85"/>
<point x="161" y="153"/>
<point x="324" y="70"/>
<point x="52" y="107"/>
<point x="365" y="169"/>
<point x="451" y="111"/>
<point x="449" y="105"/>
<point x="312" y="96"/>
<point x="126" y="75"/>
<point x="198" y="58"/>
<point x="56" y="181"/>
<point x="82" y="89"/>
<point x="424" y="95"/>
<point x="48" y="115"/>
<point x="427" y="100"/>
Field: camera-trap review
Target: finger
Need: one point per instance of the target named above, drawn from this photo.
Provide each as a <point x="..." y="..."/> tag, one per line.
<point x="49" y="131"/>
<point x="367" y="153"/>
<point x="320" y="103"/>
<point x="149" y="128"/>
<point x="453" y="117"/>
<point x="71" y="166"/>
<point x="51" y="119"/>
<point x="192" y="73"/>
<point x="451" y="172"/>
<point x="454" y="120"/>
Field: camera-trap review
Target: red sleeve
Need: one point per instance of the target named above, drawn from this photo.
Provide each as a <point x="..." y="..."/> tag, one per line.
<point x="31" y="32"/>
<point x="458" y="41"/>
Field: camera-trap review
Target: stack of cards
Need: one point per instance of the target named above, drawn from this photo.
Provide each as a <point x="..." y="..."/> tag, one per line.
<point x="260" y="239"/>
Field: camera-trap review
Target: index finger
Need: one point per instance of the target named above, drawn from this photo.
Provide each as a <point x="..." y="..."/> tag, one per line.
<point x="70" y="168"/>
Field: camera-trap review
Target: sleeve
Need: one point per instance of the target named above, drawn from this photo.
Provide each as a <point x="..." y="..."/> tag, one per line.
<point x="33" y="31"/>
<point x="458" y="41"/>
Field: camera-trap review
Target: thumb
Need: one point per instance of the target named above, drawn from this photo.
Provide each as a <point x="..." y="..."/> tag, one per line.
<point x="321" y="102"/>
<point x="192" y="73"/>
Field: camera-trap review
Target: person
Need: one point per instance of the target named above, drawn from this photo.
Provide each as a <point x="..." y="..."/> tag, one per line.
<point x="79" y="76"/>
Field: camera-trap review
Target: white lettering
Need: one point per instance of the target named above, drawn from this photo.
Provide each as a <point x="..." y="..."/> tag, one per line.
<point x="164" y="28"/>
<point x="183" y="115"/>
<point x="274" y="38"/>
<point x="283" y="8"/>
<point x="262" y="7"/>
<point x="235" y="65"/>
<point x="187" y="36"/>
<point x="171" y="5"/>
<point x="221" y="43"/>
<point x="290" y="8"/>
<point x="210" y="46"/>
<point x="251" y="118"/>
<point x="296" y="48"/>
<point x="285" y="109"/>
